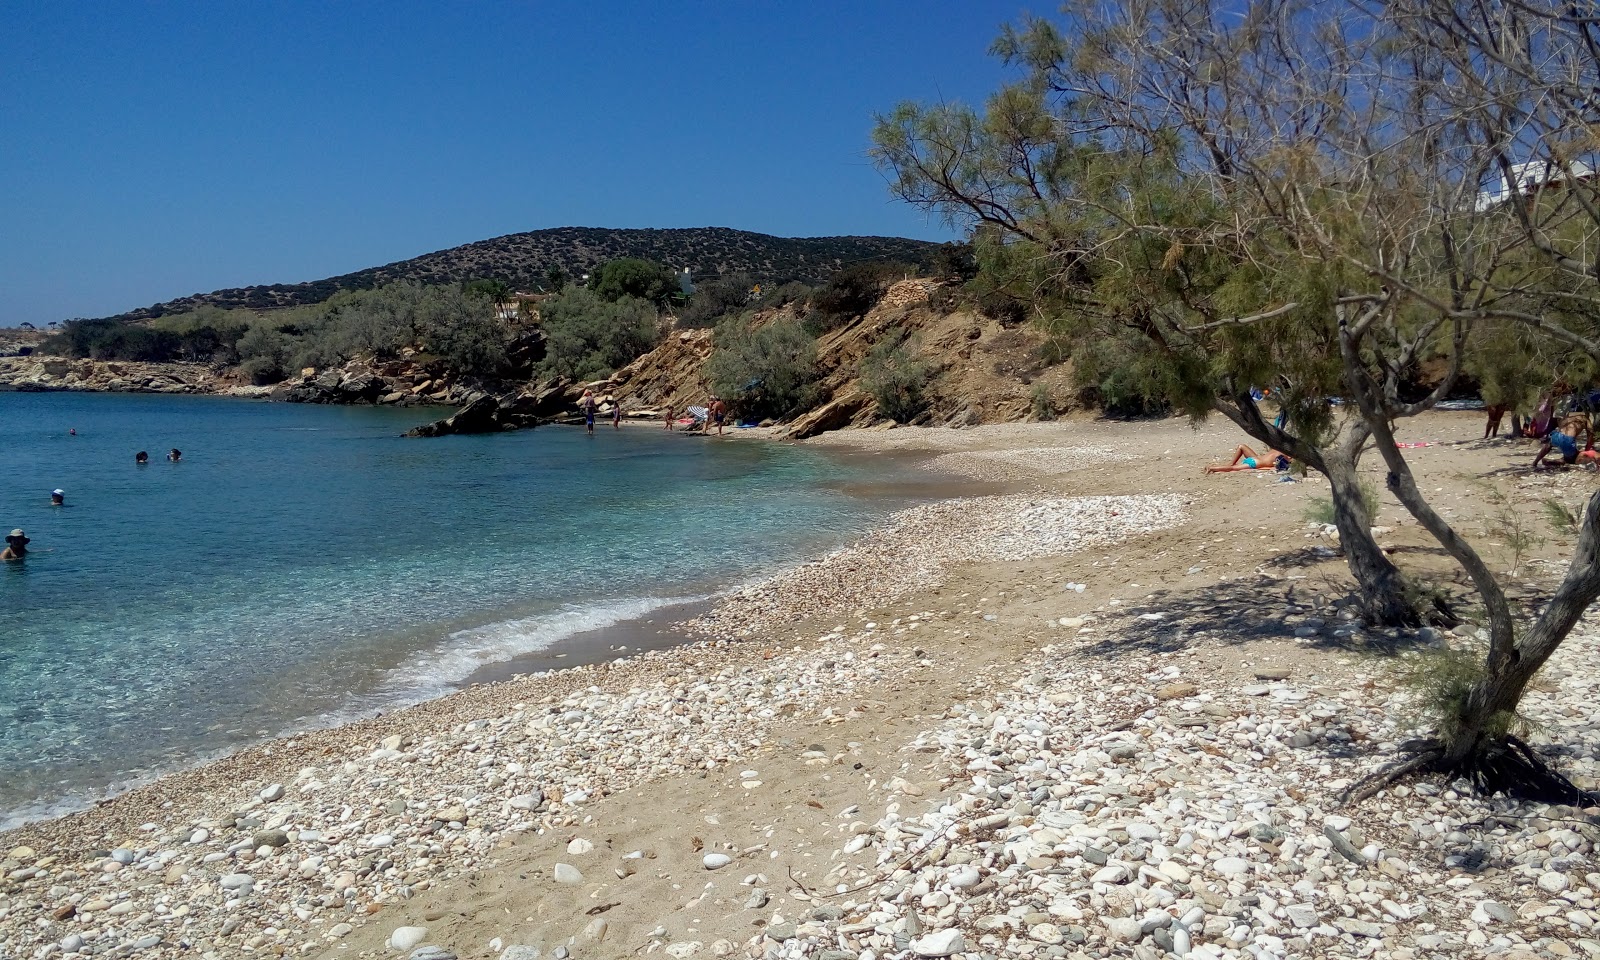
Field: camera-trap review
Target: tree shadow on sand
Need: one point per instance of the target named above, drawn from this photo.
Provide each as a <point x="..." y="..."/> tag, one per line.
<point x="1308" y="608"/>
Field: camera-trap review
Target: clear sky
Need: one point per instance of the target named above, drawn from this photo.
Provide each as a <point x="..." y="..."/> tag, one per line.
<point x="149" y="151"/>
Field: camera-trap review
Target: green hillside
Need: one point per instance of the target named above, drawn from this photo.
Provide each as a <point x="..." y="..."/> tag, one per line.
<point x="523" y="260"/>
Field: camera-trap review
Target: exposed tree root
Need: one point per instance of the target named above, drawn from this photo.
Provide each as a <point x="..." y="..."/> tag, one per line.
<point x="1503" y="765"/>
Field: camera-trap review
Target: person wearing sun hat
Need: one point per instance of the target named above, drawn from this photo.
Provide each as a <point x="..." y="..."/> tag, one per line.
<point x="58" y="497"/>
<point x="16" y="545"/>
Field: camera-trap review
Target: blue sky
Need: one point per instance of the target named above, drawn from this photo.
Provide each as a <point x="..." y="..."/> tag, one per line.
<point x="149" y="151"/>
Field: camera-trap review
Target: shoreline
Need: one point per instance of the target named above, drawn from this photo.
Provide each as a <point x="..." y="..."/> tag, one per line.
<point x="1114" y="673"/>
<point x="657" y="630"/>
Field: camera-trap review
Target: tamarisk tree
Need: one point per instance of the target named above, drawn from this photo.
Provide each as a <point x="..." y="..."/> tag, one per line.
<point x="1286" y="195"/>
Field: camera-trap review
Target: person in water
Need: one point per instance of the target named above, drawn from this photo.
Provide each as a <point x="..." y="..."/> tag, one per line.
<point x="175" y="455"/>
<point x="1245" y="458"/>
<point x="1565" y="439"/>
<point x="58" y="498"/>
<point x="588" y="406"/>
<point x="141" y="458"/>
<point x="616" y="414"/>
<point x="16" y="545"/>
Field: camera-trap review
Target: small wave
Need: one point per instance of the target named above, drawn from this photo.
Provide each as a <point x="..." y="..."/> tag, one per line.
<point x="426" y="675"/>
<point x="440" y="669"/>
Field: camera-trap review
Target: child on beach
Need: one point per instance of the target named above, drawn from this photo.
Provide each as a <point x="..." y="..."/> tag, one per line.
<point x="666" y="416"/>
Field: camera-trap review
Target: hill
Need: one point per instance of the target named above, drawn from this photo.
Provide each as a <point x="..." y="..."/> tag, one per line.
<point x="524" y="259"/>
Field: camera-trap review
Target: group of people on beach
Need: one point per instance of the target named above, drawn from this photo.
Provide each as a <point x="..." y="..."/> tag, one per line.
<point x="1557" y="433"/>
<point x="716" y="413"/>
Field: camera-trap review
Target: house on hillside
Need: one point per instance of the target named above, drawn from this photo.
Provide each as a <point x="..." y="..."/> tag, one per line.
<point x="1534" y="177"/>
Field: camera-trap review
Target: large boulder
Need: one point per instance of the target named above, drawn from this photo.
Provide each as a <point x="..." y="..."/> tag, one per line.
<point x="836" y="414"/>
<point x="480" y="416"/>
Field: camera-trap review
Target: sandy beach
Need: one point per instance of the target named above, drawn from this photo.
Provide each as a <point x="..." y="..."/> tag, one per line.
<point x="1097" y="704"/>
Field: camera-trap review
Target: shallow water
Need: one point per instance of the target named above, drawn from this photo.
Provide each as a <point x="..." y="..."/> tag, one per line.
<point x="303" y="564"/>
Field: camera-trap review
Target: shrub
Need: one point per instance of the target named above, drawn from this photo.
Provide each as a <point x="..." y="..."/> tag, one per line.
<point x="1044" y="405"/>
<point x="763" y="371"/>
<point x="853" y="291"/>
<point x="715" y="299"/>
<point x="784" y="294"/>
<point x="265" y="354"/>
<point x="897" y="379"/>
<point x="634" y="277"/>
<point x="589" y="337"/>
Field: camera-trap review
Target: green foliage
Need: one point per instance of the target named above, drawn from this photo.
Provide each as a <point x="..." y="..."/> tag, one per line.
<point x="265" y="354"/>
<point x="451" y="322"/>
<point x="1560" y="516"/>
<point x="1320" y="509"/>
<point x="764" y="370"/>
<point x="1044" y="405"/>
<point x="497" y="291"/>
<point x="634" y="277"/>
<point x="590" y="336"/>
<point x="784" y="294"/>
<point x="1441" y="681"/>
<point x="853" y="291"/>
<point x="714" y="299"/>
<point x="954" y="261"/>
<point x="897" y="378"/>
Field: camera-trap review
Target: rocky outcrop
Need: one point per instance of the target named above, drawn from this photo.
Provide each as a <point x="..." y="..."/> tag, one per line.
<point x="35" y="373"/>
<point x="836" y="414"/>
<point x="480" y="416"/>
<point x="543" y="403"/>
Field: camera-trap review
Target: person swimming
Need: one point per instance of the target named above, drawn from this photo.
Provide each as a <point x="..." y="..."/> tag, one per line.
<point x="175" y="455"/>
<point x="16" y="545"/>
<point x="141" y="458"/>
<point x="58" y="498"/>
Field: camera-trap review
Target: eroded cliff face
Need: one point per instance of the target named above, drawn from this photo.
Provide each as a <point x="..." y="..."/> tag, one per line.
<point x="983" y="371"/>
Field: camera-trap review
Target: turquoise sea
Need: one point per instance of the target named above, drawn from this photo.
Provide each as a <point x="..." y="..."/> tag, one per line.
<point x="303" y="564"/>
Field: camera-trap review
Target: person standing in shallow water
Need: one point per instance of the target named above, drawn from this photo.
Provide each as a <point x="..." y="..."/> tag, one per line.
<point x="58" y="498"/>
<point x="141" y="458"/>
<point x="616" y="414"/>
<point x="175" y="455"/>
<point x="588" y="406"/>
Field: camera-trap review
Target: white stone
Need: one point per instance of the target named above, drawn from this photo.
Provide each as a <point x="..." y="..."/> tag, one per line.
<point x="404" y="938"/>
<point x="940" y="943"/>
<point x="274" y="792"/>
<point x="567" y="873"/>
<point x="579" y="846"/>
<point x="1553" y="882"/>
<point x="1232" y="866"/>
<point x="716" y="861"/>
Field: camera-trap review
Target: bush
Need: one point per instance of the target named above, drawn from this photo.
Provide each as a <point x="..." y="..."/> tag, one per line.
<point x="853" y="291"/>
<point x="589" y="337"/>
<point x="265" y="354"/>
<point x="633" y="277"/>
<point x="792" y="292"/>
<point x="1044" y="405"/>
<point x="954" y="261"/>
<point x="896" y="378"/>
<point x="764" y="371"/>
<point x="715" y="299"/>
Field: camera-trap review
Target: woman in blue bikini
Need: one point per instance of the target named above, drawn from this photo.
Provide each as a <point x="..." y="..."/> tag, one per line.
<point x="1245" y="458"/>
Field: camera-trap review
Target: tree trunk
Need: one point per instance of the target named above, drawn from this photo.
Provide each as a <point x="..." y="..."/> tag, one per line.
<point x="1382" y="589"/>
<point x="1383" y="594"/>
<point x="1489" y="705"/>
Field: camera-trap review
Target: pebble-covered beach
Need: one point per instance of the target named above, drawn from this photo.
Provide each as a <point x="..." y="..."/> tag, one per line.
<point x="1034" y="737"/>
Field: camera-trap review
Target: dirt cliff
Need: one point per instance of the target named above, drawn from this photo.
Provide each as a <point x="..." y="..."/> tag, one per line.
<point x="983" y="370"/>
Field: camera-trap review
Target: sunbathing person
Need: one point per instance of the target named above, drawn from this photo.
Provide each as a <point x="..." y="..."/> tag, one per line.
<point x="1245" y="458"/>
